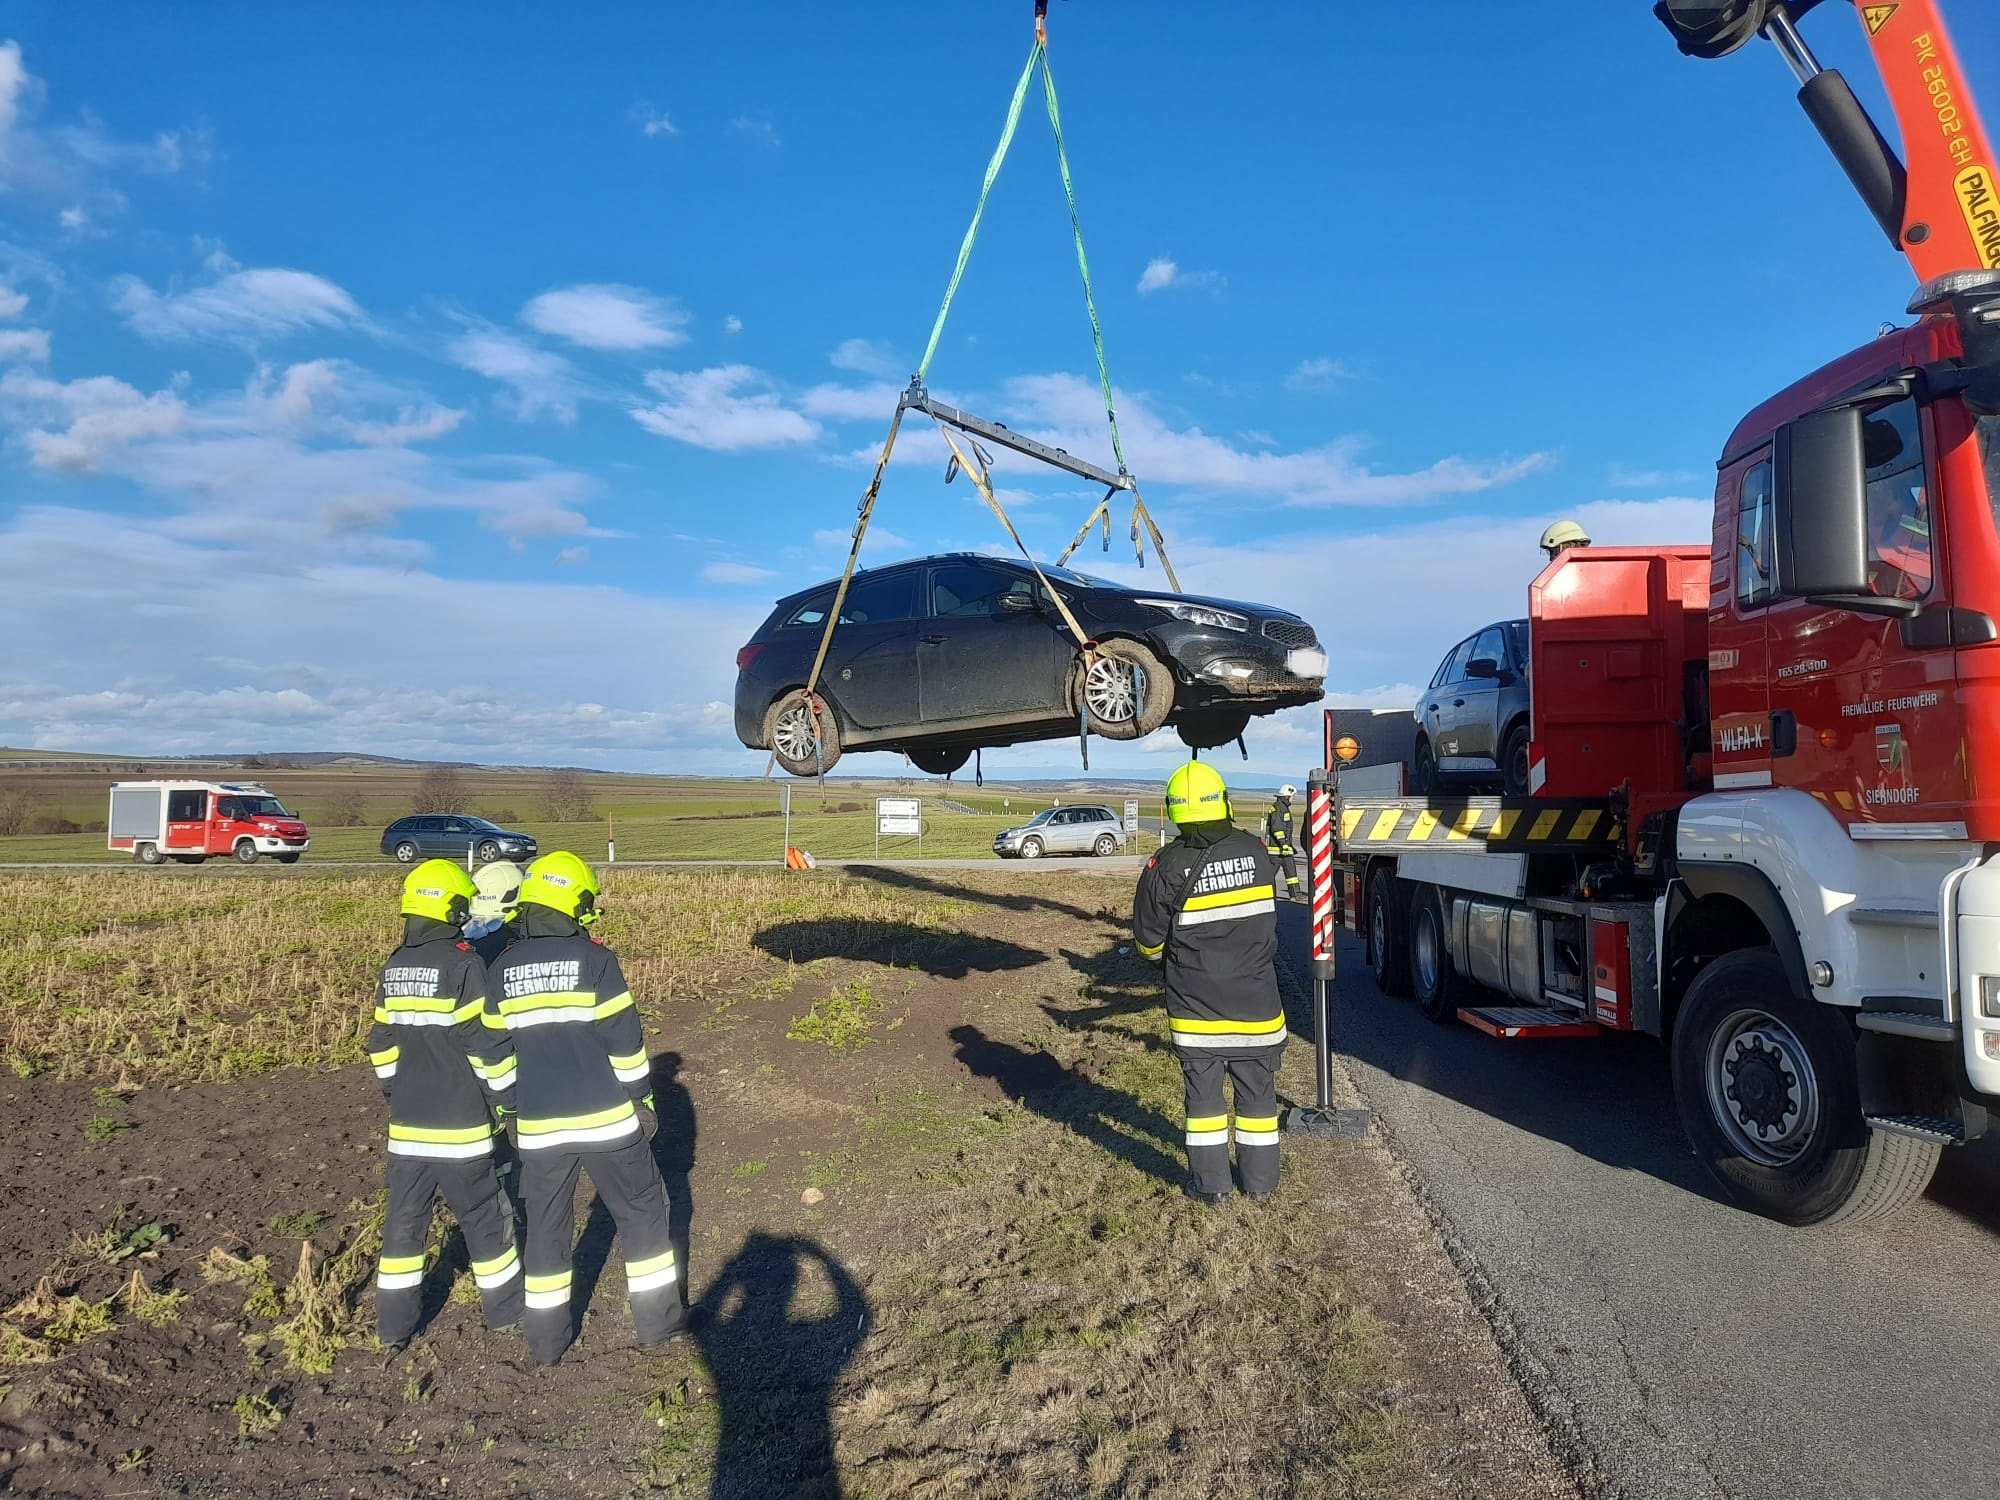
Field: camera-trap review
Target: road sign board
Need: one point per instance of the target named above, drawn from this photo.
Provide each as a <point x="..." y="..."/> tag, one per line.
<point x="1131" y="815"/>
<point x="899" y="815"/>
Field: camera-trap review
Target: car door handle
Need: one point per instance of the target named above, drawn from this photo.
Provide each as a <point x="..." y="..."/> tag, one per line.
<point x="932" y="640"/>
<point x="1433" y="708"/>
<point x="1458" y="703"/>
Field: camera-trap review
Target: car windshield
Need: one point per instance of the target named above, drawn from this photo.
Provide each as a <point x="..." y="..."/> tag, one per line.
<point x="1041" y="817"/>
<point x="1081" y="580"/>
<point x="483" y="826"/>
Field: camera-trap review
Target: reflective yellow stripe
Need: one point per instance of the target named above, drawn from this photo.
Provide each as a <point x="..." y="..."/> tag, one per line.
<point x="456" y="1135"/>
<point x="634" y="1060"/>
<point x="1585" y="822"/>
<point x="1503" y="824"/>
<point x="468" y="1010"/>
<point x="1223" y="1028"/>
<point x="397" y="1265"/>
<point x="1386" y="823"/>
<point x="1463" y="826"/>
<point x="650" y="1264"/>
<point x="1421" y="829"/>
<point x="553" y="1283"/>
<point x="418" y="1002"/>
<point x="1152" y="950"/>
<point x="379" y="1058"/>
<point x="1207" y="1122"/>
<point x="612" y="1006"/>
<point x="1350" y="819"/>
<point x="578" y="1122"/>
<point x="552" y="1000"/>
<point x="490" y="1017"/>
<point x="1214" y="899"/>
<point x="1544" y="824"/>
<point x="1254" y="1122"/>
<point x="499" y="1262"/>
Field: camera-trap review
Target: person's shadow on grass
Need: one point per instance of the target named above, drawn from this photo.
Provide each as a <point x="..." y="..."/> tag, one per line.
<point x="1114" y="1120"/>
<point x="775" y="1350"/>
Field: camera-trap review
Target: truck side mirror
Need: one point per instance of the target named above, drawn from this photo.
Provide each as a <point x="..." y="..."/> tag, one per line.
<point x="1820" y="499"/>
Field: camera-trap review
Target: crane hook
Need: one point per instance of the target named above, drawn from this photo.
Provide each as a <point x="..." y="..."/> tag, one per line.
<point x="1042" y="22"/>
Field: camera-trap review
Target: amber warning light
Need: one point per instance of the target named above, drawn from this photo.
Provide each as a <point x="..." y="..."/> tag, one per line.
<point x="1346" y="748"/>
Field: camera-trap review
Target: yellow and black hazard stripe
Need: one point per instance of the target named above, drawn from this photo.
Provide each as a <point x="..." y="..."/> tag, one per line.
<point x="1534" y="825"/>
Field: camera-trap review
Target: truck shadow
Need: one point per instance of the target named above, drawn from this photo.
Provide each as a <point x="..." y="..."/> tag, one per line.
<point x="936" y="951"/>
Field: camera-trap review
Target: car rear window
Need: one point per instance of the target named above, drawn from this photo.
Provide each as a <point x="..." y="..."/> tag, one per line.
<point x="812" y="612"/>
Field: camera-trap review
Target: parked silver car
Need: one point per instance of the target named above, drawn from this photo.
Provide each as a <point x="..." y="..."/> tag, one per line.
<point x="1064" y="830"/>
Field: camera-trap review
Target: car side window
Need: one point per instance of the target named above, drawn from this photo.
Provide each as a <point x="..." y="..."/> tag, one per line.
<point x="1488" y="646"/>
<point x="1517" y="642"/>
<point x="875" y="601"/>
<point x="812" y="612"/>
<point x="1454" y="665"/>
<point x="1899" y="516"/>
<point x="1443" y="673"/>
<point x="971" y="589"/>
<point x="1756" y="566"/>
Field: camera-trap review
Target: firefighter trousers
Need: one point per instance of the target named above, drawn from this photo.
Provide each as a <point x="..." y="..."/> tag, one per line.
<point x="1289" y="866"/>
<point x="1255" y="1078"/>
<point x="627" y="1180"/>
<point x="472" y="1192"/>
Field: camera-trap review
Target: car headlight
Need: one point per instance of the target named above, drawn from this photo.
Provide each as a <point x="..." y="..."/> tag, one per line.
<point x="1200" y="614"/>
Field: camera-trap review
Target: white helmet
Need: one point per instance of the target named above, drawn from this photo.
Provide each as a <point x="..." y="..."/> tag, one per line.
<point x="498" y="885"/>
<point x="1288" y="790"/>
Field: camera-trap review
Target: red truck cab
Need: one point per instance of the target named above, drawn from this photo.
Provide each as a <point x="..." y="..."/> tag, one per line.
<point x="190" y="821"/>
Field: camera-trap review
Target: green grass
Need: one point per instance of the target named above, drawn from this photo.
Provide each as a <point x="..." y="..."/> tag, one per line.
<point x="842" y="1020"/>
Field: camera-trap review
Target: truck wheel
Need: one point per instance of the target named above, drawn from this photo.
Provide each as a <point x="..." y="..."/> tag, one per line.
<point x="1767" y="1092"/>
<point x="1388" y="953"/>
<point x="1514" y="762"/>
<point x="245" y="852"/>
<point x="406" y="853"/>
<point x="1434" y="980"/>
<point x="147" y="854"/>
<point x="1423" y="769"/>
<point x="788" y="732"/>
<point x="1126" y="690"/>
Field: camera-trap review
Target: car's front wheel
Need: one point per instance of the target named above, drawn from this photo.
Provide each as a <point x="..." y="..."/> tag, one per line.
<point x="939" y="762"/>
<point x="1031" y="848"/>
<point x="1514" y="762"/>
<point x="1105" y="847"/>
<point x="1127" y="690"/>
<point x="487" y="852"/>
<point x="789" y="731"/>
<point x="406" y="853"/>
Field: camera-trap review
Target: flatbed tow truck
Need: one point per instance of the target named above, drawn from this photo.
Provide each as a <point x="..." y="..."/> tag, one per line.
<point x="1764" y="821"/>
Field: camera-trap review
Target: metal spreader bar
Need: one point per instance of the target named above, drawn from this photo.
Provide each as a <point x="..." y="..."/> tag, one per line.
<point x="916" y="398"/>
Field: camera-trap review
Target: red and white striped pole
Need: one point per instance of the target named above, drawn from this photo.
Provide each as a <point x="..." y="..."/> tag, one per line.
<point x="1319" y="850"/>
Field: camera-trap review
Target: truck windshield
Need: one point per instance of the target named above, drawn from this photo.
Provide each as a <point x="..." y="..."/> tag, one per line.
<point x="253" y="807"/>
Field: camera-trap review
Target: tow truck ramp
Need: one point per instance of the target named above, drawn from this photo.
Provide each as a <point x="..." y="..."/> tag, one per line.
<point x="1497" y="825"/>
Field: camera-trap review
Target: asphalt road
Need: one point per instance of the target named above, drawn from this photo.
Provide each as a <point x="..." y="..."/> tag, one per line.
<point x="1677" y="1346"/>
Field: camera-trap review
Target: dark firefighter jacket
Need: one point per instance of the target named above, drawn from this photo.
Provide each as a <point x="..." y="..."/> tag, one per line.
<point x="1278" y="829"/>
<point x="441" y="1068"/>
<point x="490" y="945"/>
<point x="560" y="995"/>
<point x="1206" y="907"/>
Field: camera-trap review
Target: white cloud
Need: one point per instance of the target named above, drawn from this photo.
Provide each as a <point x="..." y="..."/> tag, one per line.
<point x="1623" y="478"/>
<point x="573" y="557"/>
<point x="244" y="306"/>
<point x="867" y="357"/>
<point x="879" y="539"/>
<point x="543" y="383"/>
<point x="31" y="344"/>
<point x="68" y="169"/>
<point x="652" y="122"/>
<point x="607" y="317"/>
<point x="12" y="303"/>
<point x="75" y="428"/>
<point x="412" y="424"/>
<point x="728" y="409"/>
<point x="333" y="398"/>
<point x="730" y="572"/>
<point x="732" y="324"/>
<point x="1161" y="274"/>
<point x="1320" y="375"/>
<point x="760" y="131"/>
<point x="1068" y="412"/>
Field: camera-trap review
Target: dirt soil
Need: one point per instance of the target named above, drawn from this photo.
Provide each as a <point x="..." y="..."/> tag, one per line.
<point x="949" y="1259"/>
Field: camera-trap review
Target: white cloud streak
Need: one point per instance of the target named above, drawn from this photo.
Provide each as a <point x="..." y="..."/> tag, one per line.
<point x="1162" y="274"/>
<point x="727" y="409"/>
<point x="542" y="383"/>
<point x="242" y="307"/>
<point x="735" y="572"/>
<point x="610" y="317"/>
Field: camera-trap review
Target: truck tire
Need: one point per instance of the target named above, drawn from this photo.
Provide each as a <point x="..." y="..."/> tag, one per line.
<point x="788" y="732"/>
<point x="1388" y="949"/>
<point x="1434" y="980"/>
<point x="1127" y="691"/>
<point x="245" y="852"/>
<point x="1766" y="1087"/>
<point x="147" y="854"/>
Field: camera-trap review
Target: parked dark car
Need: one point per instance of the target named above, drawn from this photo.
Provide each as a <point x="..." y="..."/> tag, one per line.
<point x="450" y="836"/>
<point x="945" y="655"/>
<point x="1472" y="721"/>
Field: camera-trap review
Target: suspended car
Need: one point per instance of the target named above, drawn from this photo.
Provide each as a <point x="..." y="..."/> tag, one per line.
<point x="945" y="655"/>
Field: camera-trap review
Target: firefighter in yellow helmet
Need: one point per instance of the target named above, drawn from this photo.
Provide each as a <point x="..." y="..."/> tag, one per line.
<point x="1206" y="910"/>
<point x="583" y="1078"/>
<point x="443" y="1071"/>
<point x="1562" y="536"/>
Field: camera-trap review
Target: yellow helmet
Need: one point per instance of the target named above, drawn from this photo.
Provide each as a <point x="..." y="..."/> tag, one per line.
<point x="1564" y="534"/>
<point x="438" y="889"/>
<point x="1196" y="793"/>
<point x="564" y="883"/>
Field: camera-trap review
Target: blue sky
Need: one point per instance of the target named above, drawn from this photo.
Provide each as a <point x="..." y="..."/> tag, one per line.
<point x="466" y="381"/>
